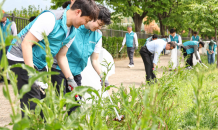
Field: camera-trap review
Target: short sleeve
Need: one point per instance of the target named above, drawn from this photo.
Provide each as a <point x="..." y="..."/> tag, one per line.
<point x="44" y="23"/>
<point x="98" y="46"/>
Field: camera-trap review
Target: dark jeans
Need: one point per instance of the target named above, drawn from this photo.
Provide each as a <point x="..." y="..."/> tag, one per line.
<point x="148" y="63"/>
<point x="59" y="78"/>
<point x="130" y="52"/>
<point x="22" y="79"/>
<point x="189" y="61"/>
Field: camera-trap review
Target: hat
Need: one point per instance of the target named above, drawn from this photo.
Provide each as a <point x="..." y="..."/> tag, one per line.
<point x="129" y="26"/>
<point x="4" y="14"/>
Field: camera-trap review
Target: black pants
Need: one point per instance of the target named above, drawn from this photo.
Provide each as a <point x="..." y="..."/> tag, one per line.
<point x="130" y="52"/>
<point x="189" y="61"/>
<point x="22" y="79"/>
<point x="59" y="78"/>
<point x="148" y="63"/>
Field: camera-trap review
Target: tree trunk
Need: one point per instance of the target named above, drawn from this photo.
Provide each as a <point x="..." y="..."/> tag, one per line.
<point x="162" y="27"/>
<point x="138" y="21"/>
<point x="189" y="33"/>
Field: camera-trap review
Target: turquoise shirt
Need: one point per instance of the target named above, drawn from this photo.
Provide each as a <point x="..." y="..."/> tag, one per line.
<point x="210" y="47"/>
<point x="195" y="38"/>
<point x="190" y="45"/>
<point x="175" y="39"/>
<point x="81" y="49"/>
<point x="6" y="30"/>
<point x="130" y="39"/>
<point x="57" y="39"/>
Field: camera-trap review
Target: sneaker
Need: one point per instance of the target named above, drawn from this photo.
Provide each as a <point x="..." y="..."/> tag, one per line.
<point x="132" y="65"/>
<point x="189" y="68"/>
<point x="129" y="66"/>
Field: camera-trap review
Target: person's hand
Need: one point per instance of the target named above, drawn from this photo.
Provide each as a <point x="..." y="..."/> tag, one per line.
<point x="122" y="47"/>
<point x="106" y="83"/>
<point x="212" y="51"/>
<point x="71" y="83"/>
<point x="199" y="61"/>
<point x="40" y="86"/>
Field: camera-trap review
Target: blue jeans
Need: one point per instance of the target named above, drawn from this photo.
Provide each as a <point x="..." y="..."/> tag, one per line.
<point x="211" y="58"/>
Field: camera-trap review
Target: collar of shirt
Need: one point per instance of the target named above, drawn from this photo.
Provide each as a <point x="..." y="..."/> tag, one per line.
<point x="175" y="35"/>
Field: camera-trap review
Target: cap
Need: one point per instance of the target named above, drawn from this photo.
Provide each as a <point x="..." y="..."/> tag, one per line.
<point x="4" y="14"/>
<point x="129" y="26"/>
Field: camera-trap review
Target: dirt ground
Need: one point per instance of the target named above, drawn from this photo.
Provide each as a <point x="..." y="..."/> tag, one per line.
<point x="123" y="75"/>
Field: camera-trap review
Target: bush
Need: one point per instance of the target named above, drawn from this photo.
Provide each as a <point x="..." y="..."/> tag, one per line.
<point x="113" y="45"/>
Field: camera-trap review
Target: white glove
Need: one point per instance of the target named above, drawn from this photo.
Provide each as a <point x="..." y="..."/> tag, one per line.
<point x="71" y="83"/>
<point x="106" y="83"/>
<point x="40" y="84"/>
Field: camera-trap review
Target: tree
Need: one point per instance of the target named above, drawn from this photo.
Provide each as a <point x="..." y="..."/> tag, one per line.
<point x="207" y="12"/>
<point x="137" y="9"/>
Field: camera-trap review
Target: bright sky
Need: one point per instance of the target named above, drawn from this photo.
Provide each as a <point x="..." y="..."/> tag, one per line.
<point x="10" y="5"/>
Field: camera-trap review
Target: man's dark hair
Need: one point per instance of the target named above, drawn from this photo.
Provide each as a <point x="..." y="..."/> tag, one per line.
<point x="154" y="36"/>
<point x="195" y="32"/>
<point x="202" y="43"/>
<point x="65" y="4"/>
<point x="32" y="18"/>
<point x="104" y="15"/>
<point x="172" y="30"/>
<point x="172" y="44"/>
<point x="88" y="8"/>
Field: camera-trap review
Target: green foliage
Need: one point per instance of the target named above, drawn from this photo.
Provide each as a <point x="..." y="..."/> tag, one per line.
<point x="113" y="45"/>
<point x="27" y="12"/>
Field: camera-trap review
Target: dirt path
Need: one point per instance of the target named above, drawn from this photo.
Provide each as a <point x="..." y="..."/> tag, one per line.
<point x="123" y="74"/>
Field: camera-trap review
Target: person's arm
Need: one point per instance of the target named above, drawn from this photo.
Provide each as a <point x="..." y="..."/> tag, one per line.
<point x="169" y="39"/>
<point x="191" y="38"/>
<point x="136" y="40"/>
<point x="95" y="63"/>
<point x="63" y="62"/>
<point x="158" y="50"/>
<point x="195" y="51"/>
<point x="14" y="29"/>
<point x="124" y="41"/>
<point x="199" y="39"/>
<point x="44" y="24"/>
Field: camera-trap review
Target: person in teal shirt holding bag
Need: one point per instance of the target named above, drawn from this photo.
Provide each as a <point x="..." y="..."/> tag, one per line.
<point x="60" y="28"/>
<point x="211" y="49"/>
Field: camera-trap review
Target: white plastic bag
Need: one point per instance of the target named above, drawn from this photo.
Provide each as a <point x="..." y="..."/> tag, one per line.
<point x="173" y="58"/>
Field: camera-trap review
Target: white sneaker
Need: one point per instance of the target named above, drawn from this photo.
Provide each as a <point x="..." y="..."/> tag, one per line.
<point x="189" y="68"/>
<point x="129" y="66"/>
<point x="132" y="65"/>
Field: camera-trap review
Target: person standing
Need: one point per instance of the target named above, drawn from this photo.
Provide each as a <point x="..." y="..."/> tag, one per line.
<point x="189" y="48"/>
<point x="176" y="38"/>
<point x="5" y="24"/>
<point x="60" y="28"/>
<point x="195" y="37"/>
<point x="211" y="49"/>
<point x="131" y="41"/>
<point x="154" y="47"/>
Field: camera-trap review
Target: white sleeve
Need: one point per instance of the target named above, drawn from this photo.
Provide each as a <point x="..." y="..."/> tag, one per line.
<point x="136" y="39"/>
<point x="14" y="29"/>
<point x="158" y="50"/>
<point x="98" y="46"/>
<point x="169" y="39"/>
<point x="70" y="42"/>
<point x="180" y="41"/>
<point x="124" y="41"/>
<point x="191" y="38"/>
<point x="44" y="23"/>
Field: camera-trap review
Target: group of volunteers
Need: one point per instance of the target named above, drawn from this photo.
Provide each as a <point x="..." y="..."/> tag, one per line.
<point x="74" y="36"/>
<point x="153" y="47"/>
